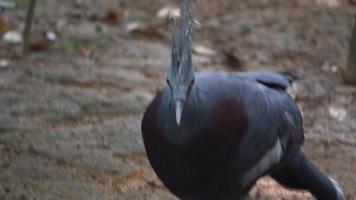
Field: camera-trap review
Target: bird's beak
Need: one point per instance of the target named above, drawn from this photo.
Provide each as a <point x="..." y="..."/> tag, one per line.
<point x="179" y="110"/>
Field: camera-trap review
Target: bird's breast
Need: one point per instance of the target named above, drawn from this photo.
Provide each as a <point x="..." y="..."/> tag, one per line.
<point x="197" y="153"/>
<point x="219" y="134"/>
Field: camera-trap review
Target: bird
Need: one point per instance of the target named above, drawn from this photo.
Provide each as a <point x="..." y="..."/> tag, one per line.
<point x="212" y="135"/>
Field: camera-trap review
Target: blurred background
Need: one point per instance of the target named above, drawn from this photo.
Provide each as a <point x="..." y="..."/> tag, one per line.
<point x="71" y="102"/>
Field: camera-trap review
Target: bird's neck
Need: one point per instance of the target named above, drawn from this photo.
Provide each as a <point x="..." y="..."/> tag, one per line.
<point x="189" y="118"/>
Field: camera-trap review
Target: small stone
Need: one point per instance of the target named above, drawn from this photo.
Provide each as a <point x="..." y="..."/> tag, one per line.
<point x="4" y="64"/>
<point x="334" y="69"/>
<point x="134" y="26"/>
<point x="78" y="3"/>
<point x="61" y="23"/>
<point x="51" y="36"/>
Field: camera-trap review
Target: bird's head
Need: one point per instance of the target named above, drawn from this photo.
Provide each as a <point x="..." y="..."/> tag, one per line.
<point x="180" y="77"/>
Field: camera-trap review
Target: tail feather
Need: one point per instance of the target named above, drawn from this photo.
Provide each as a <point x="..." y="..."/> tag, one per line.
<point x="301" y="173"/>
<point x="291" y="76"/>
<point x="287" y="178"/>
<point x="275" y="80"/>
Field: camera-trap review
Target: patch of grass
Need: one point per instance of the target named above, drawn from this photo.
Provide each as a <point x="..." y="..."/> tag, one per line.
<point x="71" y="45"/>
<point x="68" y="45"/>
<point x="94" y="108"/>
<point x="138" y="16"/>
<point x="100" y="41"/>
<point x="40" y="188"/>
<point x="87" y="107"/>
<point x="14" y="139"/>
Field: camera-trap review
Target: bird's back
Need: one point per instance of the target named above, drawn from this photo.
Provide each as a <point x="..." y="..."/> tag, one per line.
<point x="228" y="137"/>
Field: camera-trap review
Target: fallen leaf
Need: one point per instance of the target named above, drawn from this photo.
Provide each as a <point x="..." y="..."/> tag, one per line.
<point x="134" y="26"/>
<point x="78" y="3"/>
<point x="335" y="69"/>
<point x="337" y="112"/>
<point x="149" y="31"/>
<point x="84" y="52"/>
<point x="4" y="25"/>
<point x="168" y="12"/>
<point x="234" y="58"/>
<point x="330" y="3"/>
<point x="114" y="16"/>
<point x="12" y="37"/>
<point x="203" y="50"/>
<point x="4" y="64"/>
<point x="40" y="45"/>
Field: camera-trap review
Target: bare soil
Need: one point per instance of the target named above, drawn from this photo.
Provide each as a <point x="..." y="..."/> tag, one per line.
<point x="71" y="111"/>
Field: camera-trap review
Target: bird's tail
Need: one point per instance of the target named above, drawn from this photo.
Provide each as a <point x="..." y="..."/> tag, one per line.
<point x="290" y="76"/>
<point x="301" y="173"/>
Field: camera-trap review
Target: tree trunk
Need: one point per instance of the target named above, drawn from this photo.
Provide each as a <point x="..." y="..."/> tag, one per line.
<point x="350" y="73"/>
<point x="28" y="26"/>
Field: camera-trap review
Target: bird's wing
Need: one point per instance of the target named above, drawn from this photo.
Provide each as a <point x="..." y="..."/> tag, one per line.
<point x="275" y="80"/>
<point x="275" y="124"/>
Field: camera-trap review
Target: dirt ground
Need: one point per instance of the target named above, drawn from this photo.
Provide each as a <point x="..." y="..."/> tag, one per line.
<point x="71" y="111"/>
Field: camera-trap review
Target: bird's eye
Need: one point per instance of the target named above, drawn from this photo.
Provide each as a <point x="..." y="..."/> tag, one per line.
<point x="191" y="84"/>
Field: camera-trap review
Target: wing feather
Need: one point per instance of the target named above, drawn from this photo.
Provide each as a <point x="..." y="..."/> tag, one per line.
<point x="275" y="80"/>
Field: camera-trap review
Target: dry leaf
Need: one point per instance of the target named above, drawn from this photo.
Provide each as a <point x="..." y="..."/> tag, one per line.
<point x="4" y="26"/>
<point x="40" y="45"/>
<point x="150" y="31"/>
<point x="4" y="64"/>
<point x="134" y="26"/>
<point x="114" y="16"/>
<point x="330" y="3"/>
<point x="203" y="50"/>
<point x="84" y="52"/>
<point x="12" y="37"/>
<point x="78" y="3"/>
<point x="337" y="112"/>
<point x="234" y="58"/>
<point x="168" y="12"/>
